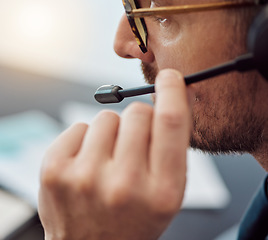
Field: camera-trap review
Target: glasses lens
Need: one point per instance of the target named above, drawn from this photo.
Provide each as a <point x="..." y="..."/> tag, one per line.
<point x="137" y="24"/>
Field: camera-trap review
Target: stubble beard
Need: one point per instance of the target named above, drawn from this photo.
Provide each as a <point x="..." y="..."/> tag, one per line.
<point x="235" y="129"/>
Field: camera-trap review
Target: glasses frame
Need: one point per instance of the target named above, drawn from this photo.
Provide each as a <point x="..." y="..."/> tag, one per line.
<point x="141" y="13"/>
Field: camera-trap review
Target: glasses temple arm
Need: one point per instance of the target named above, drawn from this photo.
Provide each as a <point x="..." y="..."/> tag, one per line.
<point x="146" y="12"/>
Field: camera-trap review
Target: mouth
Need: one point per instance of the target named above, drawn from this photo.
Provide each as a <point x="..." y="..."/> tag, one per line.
<point x="150" y="74"/>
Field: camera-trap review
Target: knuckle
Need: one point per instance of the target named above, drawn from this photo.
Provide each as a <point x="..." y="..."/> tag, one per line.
<point x="166" y="202"/>
<point x="48" y="179"/>
<point x="139" y="108"/>
<point x="118" y="196"/>
<point x="79" y="125"/>
<point x="50" y="170"/>
<point x="107" y="114"/>
<point x="84" y="184"/>
<point x="172" y="119"/>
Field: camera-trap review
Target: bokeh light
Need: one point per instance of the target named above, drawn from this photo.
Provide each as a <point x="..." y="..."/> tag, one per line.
<point x="67" y="39"/>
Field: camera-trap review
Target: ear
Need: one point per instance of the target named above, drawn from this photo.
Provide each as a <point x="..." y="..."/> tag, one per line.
<point x="258" y="41"/>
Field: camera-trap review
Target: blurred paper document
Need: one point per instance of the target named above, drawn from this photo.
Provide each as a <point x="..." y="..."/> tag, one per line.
<point x="205" y="188"/>
<point x="24" y="138"/>
<point x="14" y="213"/>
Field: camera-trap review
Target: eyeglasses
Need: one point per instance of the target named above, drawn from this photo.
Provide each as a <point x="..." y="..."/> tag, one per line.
<point x="136" y="14"/>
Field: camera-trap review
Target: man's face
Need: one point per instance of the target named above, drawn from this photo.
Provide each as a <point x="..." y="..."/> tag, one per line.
<point x="225" y="113"/>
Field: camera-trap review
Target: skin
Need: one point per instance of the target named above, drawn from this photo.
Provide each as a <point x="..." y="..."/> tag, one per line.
<point x="112" y="196"/>
<point x="124" y="177"/>
<point x="235" y="102"/>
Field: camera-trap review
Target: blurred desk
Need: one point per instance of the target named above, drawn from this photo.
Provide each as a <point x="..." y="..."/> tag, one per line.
<point x="23" y="91"/>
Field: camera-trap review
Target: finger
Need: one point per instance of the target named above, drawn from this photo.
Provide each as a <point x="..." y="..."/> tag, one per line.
<point x="69" y="142"/>
<point x="171" y="127"/>
<point x="62" y="150"/>
<point x="99" y="141"/>
<point x="134" y="137"/>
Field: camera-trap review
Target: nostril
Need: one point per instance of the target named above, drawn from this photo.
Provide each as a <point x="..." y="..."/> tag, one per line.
<point x="128" y="56"/>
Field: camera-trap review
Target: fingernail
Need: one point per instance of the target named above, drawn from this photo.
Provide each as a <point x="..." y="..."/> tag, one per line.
<point x="169" y="73"/>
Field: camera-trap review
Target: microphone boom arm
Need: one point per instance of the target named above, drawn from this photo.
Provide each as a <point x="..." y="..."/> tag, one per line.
<point x="115" y="94"/>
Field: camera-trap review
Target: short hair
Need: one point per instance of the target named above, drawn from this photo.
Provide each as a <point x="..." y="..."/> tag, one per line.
<point x="242" y="20"/>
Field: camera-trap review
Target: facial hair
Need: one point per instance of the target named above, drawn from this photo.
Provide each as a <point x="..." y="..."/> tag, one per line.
<point x="234" y="129"/>
<point x="231" y="123"/>
<point x="149" y="73"/>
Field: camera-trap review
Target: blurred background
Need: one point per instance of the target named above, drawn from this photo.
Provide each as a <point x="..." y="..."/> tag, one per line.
<point x="53" y="56"/>
<point x="66" y="39"/>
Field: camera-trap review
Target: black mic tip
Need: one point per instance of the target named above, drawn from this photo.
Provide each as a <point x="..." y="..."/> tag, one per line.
<point x="108" y="94"/>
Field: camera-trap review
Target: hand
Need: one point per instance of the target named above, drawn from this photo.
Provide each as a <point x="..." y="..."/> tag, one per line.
<point x="120" y="178"/>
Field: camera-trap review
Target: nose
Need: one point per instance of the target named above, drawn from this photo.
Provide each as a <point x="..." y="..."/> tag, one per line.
<point x="126" y="46"/>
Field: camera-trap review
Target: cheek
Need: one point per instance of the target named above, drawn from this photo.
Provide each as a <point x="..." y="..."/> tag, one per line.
<point x="182" y="49"/>
<point x="166" y="42"/>
<point x="176" y="53"/>
<point x="182" y="56"/>
<point x="225" y="99"/>
<point x="192" y="44"/>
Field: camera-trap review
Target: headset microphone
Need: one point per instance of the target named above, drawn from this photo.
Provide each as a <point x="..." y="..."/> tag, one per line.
<point x="115" y="94"/>
<point x="257" y="58"/>
<point x="258" y="41"/>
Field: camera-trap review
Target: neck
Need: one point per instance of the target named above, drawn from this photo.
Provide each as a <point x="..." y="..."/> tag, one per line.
<point x="262" y="156"/>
